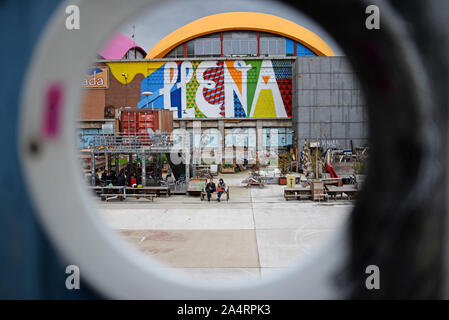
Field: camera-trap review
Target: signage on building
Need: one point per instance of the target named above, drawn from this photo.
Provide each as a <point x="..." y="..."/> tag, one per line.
<point x="213" y="88"/>
<point x="96" y="78"/>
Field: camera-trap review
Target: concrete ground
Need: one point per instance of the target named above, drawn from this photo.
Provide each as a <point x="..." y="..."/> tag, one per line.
<point x="255" y="233"/>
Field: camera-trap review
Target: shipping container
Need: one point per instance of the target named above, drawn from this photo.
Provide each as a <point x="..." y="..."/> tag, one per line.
<point x="140" y="120"/>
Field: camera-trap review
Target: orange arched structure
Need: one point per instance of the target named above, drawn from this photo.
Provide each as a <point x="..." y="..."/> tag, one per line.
<point x="230" y="21"/>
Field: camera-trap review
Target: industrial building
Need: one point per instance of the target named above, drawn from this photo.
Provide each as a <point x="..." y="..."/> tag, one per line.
<point x="248" y="81"/>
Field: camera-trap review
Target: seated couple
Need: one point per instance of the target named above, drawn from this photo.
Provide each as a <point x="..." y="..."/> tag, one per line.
<point x="211" y="188"/>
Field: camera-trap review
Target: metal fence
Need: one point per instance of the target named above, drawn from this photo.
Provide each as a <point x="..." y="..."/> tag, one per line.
<point x="133" y="143"/>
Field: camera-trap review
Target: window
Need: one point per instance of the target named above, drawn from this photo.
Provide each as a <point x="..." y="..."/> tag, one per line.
<point x="134" y="54"/>
<point x="207" y="139"/>
<point x="272" y="46"/>
<point x="277" y="137"/>
<point x="191" y="48"/>
<point x="240" y="43"/>
<point x="240" y="137"/>
<point x="207" y="45"/>
<point x="302" y="50"/>
<point x="178" y="52"/>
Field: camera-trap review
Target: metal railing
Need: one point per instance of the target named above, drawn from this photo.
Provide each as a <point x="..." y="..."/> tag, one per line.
<point x="132" y="142"/>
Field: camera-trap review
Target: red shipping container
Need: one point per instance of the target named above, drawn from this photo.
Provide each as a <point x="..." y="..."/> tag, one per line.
<point x="139" y="120"/>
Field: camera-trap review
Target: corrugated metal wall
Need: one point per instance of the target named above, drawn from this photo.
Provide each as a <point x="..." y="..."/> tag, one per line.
<point x="327" y="103"/>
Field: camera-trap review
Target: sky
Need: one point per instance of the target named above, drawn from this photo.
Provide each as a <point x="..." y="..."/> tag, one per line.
<point x="162" y="19"/>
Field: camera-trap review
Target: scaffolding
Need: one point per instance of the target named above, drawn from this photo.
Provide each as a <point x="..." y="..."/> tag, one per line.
<point x="145" y="145"/>
<point x="159" y="142"/>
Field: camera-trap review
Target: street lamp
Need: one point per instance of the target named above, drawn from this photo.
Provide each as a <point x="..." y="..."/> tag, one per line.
<point x="147" y="94"/>
<point x="124" y="75"/>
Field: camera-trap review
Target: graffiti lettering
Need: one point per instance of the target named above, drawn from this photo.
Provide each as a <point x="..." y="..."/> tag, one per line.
<point x="215" y="89"/>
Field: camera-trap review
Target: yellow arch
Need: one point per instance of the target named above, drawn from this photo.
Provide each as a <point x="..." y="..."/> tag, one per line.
<point x="240" y="21"/>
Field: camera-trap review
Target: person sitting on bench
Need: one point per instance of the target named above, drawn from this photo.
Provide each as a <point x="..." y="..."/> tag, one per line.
<point x="220" y="189"/>
<point x="104" y="177"/>
<point x="210" y="188"/>
<point x="121" y="181"/>
<point x="112" y="177"/>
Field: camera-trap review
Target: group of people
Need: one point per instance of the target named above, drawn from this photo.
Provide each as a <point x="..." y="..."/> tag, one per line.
<point x="133" y="180"/>
<point x="123" y="179"/>
<point x="211" y="188"/>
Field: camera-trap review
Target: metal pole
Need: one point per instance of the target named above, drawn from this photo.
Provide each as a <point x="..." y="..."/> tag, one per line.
<point x="117" y="164"/>
<point x="144" y="172"/>
<point x="92" y="167"/>
<point x="187" y="167"/>
<point x="109" y="160"/>
<point x="126" y="92"/>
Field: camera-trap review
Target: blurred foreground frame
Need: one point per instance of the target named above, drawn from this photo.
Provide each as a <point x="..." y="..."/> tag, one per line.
<point x="399" y="222"/>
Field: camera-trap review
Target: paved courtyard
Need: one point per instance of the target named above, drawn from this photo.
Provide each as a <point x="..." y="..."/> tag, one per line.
<point x="255" y="233"/>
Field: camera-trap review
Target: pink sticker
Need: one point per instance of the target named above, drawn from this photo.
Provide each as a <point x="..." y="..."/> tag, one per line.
<point x="53" y="106"/>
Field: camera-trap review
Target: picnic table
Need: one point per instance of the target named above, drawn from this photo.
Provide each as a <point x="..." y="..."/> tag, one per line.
<point x="349" y="190"/>
<point x="298" y="193"/>
<point x="107" y="193"/>
<point x="338" y="182"/>
<point x="159" y="190"/>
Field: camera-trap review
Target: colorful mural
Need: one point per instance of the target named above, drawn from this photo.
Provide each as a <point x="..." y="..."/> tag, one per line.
<point x="213" y="89"/>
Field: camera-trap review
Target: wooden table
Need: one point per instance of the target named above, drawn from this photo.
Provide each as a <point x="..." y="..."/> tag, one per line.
<point x="105" y="193"/>
<point x="338" y="182"/>
<point x="350" y="191"/>
<point x="297" y="193"/>
<point x="161" y="190"/>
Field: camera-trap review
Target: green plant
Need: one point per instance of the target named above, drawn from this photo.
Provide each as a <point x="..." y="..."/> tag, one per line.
<point x="283" y="163"/>
<point x="316" y="162"/>
<point x="121" y="161"/>
<point x="359" y="167"/>
<point x="164" y="158"/>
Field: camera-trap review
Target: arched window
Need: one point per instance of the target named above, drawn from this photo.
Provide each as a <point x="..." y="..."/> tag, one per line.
<point x="240" y="43"/>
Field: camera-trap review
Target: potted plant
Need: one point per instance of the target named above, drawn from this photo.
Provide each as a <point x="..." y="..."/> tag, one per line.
<point x="227" y="168"/>
<point x="283" y="164"/>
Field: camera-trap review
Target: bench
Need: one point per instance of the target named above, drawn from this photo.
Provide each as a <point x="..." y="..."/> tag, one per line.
<point x="204" y="194"/>
<point x="298" y="193"/>
<point x="196" y="186"/>
<point x="106" y="197"/>
<point x="162" y="190"/>
<point x="350" y="191"/>
<point x="338" y="182"/>
<point x="107" y="193"/>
